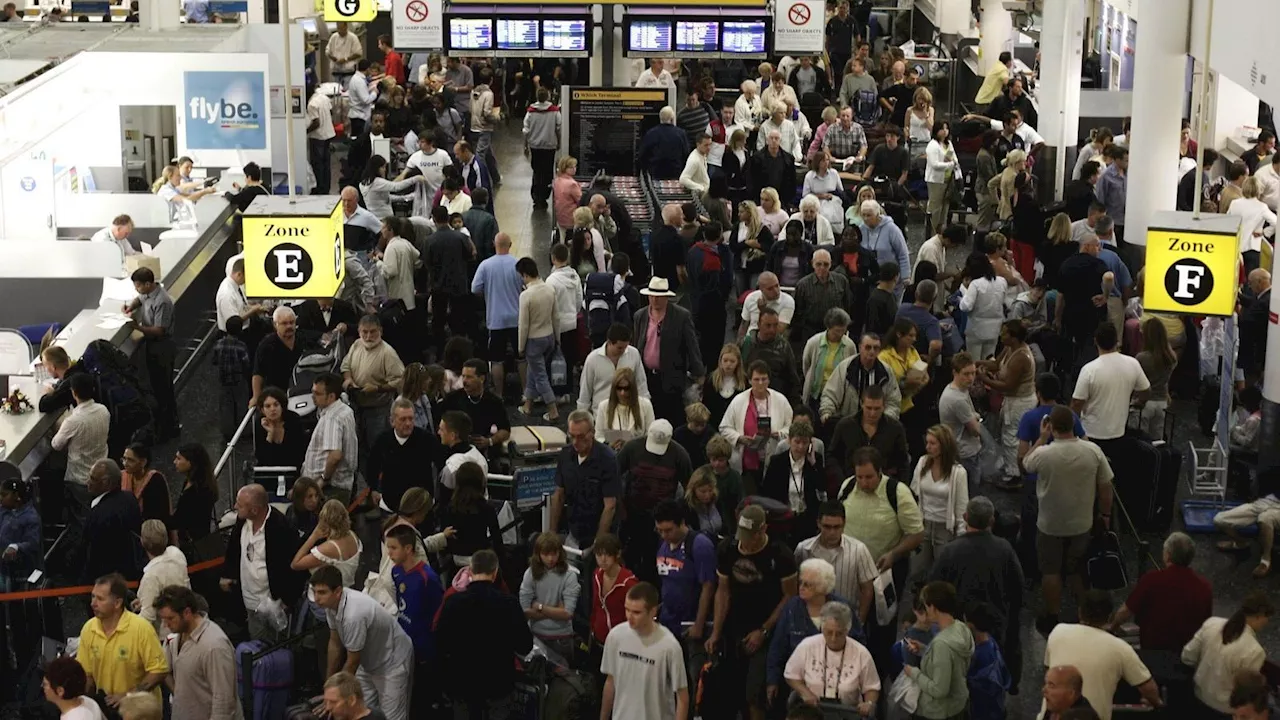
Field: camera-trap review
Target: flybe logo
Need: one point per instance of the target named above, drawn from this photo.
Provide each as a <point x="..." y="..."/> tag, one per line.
<point x="223" y="113"/>
<point x="224" y="110"/>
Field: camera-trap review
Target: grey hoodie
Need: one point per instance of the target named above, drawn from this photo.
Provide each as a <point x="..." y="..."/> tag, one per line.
<point x="482" y="109"/>
<point x="557" y="590"/>
<point x="888" y="244"/>
<point x="944" y="689"/>
<point x="542" y="126"/>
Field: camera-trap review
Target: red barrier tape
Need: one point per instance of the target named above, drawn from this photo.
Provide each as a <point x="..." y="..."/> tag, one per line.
<point x="191" y="570"/>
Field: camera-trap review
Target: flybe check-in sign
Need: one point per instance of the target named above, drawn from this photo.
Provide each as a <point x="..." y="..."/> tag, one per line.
<point x="293" y="256"/>
<point x="225" y="110"/>
<point x="1195" y="273"/>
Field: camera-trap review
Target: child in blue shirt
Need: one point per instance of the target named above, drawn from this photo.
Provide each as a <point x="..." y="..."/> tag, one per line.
<point x="418" y="591"/>
<point x="989" y="678"/>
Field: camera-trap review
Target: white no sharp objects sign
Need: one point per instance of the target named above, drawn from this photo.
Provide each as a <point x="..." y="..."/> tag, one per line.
<point x="417" y="24"/>
<point x="799" y="25"/>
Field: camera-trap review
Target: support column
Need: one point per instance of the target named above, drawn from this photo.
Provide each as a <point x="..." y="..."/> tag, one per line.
<point x="1061" y="48"/>
<point x="997" y="33"/>
<point x="159" y="16"/>
<point x="1159" y="82"/>
<point x="1269" y="445"/>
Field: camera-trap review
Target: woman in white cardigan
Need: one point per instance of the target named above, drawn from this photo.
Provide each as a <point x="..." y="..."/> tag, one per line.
<point x="817" y="228"/>
<point x="377" y="190"/>
<point x="742" y="420"/>
<point x="397" y="260"/>
<point x="1253" y="213"/>
<point x="941" y="170"/>
<point x="1223" y="647"/>
<point x="813" y="360"/>
<point x="748" y="111"/>
<point x="624" y="410"/>
<point x="942" y="485"/>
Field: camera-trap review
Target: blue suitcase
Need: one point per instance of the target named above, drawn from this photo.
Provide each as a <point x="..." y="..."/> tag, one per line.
<point x="272" y="680"/>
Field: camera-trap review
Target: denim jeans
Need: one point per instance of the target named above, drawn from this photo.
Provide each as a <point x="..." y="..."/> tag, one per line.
<point x="537" y="353"/>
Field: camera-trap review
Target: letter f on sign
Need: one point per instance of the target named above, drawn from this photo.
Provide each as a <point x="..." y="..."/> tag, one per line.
<point x="1188" y="279"/>
<point x="287" y="270"/>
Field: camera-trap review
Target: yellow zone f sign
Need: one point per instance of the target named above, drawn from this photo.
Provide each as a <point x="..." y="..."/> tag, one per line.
<point x="350" y="10"/>
<point x="1192" y="273"/>
<point x="293" y="257"/>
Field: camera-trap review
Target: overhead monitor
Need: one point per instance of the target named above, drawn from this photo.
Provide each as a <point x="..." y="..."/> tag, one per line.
<point x="649" y="36"/>
<point x="698" y="36"/>
<point x="743" y="37"/>
<point x="564" y="35"/>
<point x="470" y="34"/>
<point x="518" y="34"/>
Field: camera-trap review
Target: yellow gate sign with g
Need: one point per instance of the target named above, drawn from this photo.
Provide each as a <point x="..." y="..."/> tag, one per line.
<point x="293" y="250"/>
<point x="1191" y="272"/>
<point x="350" y="10"/>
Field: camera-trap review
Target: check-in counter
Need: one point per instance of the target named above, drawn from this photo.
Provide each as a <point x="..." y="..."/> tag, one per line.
<point x="192" y="265"/>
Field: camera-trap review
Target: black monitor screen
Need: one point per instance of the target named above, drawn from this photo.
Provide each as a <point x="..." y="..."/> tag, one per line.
<point x="697" y="36"/>
<point x="517" y="34"/>
<point x="470" y="34"/>
<point x="650" y="36"/>
<point x="564" y="35"/>
<point x="744" y="37"/>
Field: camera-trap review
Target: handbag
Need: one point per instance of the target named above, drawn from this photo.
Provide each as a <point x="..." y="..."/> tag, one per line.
<point x="904" y="693"/>
<point x="886" y="598"/>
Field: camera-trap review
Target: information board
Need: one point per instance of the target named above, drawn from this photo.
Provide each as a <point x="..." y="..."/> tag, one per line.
<point x="743" y="38"/>
<point x="530" y="485"/>
<point x="518" y="34"/>
<point x="697" y="36"/>
<point x="605" y="126"/>
<point x="470" y="34"/>
<point x="649" y="36"/>
<point x="564" y="36"/>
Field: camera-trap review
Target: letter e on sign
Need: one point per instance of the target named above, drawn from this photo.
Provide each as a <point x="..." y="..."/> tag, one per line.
<point x="290" y="256"/>
<point x="1189" y="272"/>
<point x="288" y="266"/>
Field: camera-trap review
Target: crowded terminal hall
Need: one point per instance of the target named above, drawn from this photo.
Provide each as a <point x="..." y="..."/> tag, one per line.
<point x="763" y="360"/>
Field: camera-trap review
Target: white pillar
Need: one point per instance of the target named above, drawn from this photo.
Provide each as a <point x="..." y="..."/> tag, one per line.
<point x="158" y="16"/>
<point x="1061" y="45"/>
<point x="997" y="33"/>
<point x="1159" y="78"/>
<point x="953" y="16"/>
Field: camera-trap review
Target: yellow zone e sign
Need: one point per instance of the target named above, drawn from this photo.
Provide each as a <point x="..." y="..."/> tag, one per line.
<point x="350" y="10"/>
<point x="1192" y="273"/>
<point x="293" y="256"/>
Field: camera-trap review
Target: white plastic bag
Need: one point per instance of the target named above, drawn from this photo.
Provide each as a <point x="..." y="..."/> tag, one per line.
<point x="886" y="598"/>
<point x="272" y="611"/>
<point x="904" y="693"/>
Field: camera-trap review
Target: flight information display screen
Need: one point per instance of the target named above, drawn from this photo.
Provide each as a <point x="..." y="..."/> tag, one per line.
<point x="697" y="36"/>
<point x="518" y="34"/>
<point x="470" y="34"/>
<point x="564" y="35"/>
<point x="650" y="36"/>
<point x="746" y="38"/>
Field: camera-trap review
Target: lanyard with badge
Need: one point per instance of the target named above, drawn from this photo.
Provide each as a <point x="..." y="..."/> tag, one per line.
<point x="839" y="672"/>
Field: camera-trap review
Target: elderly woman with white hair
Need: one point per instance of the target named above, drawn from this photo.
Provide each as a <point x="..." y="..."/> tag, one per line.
<point x="789" y="135"/>
<point x="832" y="666"/>
<point x="817" y="227"/>
<point x="882" y="236"/>
<point x="800" y="618"/>
<point x="802" y="122"/>
<point x="824" y="184"/>
<point x="748" y="110"/>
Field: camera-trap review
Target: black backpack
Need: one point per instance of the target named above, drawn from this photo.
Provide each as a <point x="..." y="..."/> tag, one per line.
<point x="890" y="491"/>
<point x="600" y="286"/>
<point x="119" y="389"/>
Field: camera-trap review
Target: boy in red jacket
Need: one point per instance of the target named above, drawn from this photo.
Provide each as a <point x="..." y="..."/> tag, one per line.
<point x="609" y="591"/>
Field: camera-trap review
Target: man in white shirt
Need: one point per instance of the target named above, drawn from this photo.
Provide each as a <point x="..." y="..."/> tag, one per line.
<point x="230" y="299"/>
<point x="431" y="162"/>
<point x="118" y="232"/>
<point x="319" y="132"/>
<point x="353" y="214"/>
<point x="643" y="665"/>
<point x="768" y="295"/>
<point x="454" y="430"/>
<point x="855" y="568"/>
<point x="344" y="50"/>
<point x="362" y="92"/>
<point x="720" y="141"/>
<point x="935" y="249"/>
<point x="1107" y="387"/>
<point x="257" y="559"/>
<point x="603" y="362"/>
<point x="83" y="435"/>
<point x="695" y="177"/>
<point x="1269" y="182"/>
<point x="655" y="76"/>
<point x="1088" y="225"/>
<point x="1101" y="658"/>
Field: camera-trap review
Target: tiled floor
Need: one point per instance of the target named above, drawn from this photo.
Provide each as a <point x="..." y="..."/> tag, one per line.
<point x="531" y="232"/>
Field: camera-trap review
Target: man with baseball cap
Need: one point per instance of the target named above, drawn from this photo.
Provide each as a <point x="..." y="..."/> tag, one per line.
<point x="653" y="468"/>
<point x="756" y="577"/>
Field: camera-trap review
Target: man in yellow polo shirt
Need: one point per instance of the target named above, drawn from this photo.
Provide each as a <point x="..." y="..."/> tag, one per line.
<point x="890" y="534"/>
<point x="120" y="651"/>
<point x="997" y="76"/>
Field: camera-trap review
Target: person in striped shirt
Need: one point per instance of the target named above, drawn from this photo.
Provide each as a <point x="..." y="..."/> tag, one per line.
<point x="855" y="568"/>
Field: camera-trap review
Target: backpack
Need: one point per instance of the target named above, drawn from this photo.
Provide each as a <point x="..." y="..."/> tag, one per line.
<point x="890" y="492"/>
<point x="866" y="107"/>
<point x="1105" y="567"/>
<point x="119" y="389"/>
<point x="600" y="287"/>
<point x="779" y="516"/>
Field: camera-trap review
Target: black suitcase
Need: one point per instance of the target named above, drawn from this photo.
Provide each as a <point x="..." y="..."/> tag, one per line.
<point x="1159" y="515"/>
<point x="1135" y="464"/>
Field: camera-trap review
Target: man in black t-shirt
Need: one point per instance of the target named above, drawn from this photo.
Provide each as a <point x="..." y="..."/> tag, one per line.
<point x="896" y="98"/>
<point x="490" y="424"/>
<point x="890" y="160"/>
<point x="277" y="355"/>
<point x="667" y="248"/>
<point x="756" y="578"/>
<point x="1081" y="303"/>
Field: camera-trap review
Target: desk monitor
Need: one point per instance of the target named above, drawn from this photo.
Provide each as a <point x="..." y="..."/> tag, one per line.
<point x="649" y="36"/>
<point x="470" y="34"/>
<point x="518" y="34"/>
<point x="743" y="37"/>
<point x="564" y="35"/>
<point x="698" y="36"/>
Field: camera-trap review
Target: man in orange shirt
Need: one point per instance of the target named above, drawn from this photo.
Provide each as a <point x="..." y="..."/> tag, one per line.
<point x="393" y="61"/>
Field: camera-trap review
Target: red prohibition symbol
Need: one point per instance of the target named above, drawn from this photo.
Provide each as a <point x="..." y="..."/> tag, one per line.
<point x="798" y="14"/>
<point x="416" y="11"/>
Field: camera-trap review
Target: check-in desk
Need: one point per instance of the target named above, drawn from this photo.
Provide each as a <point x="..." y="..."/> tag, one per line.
<point x="81" y="285"/>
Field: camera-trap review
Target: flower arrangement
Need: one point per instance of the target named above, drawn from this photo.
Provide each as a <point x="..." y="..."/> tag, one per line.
<point x="16" y="403"/>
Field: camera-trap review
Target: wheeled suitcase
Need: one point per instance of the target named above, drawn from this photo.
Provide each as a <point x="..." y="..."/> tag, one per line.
<point x="272" y="680"/>
<point x="1135" y="465"/>
<point x="1159" y="513"/>
<point x="535" y="444"/>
